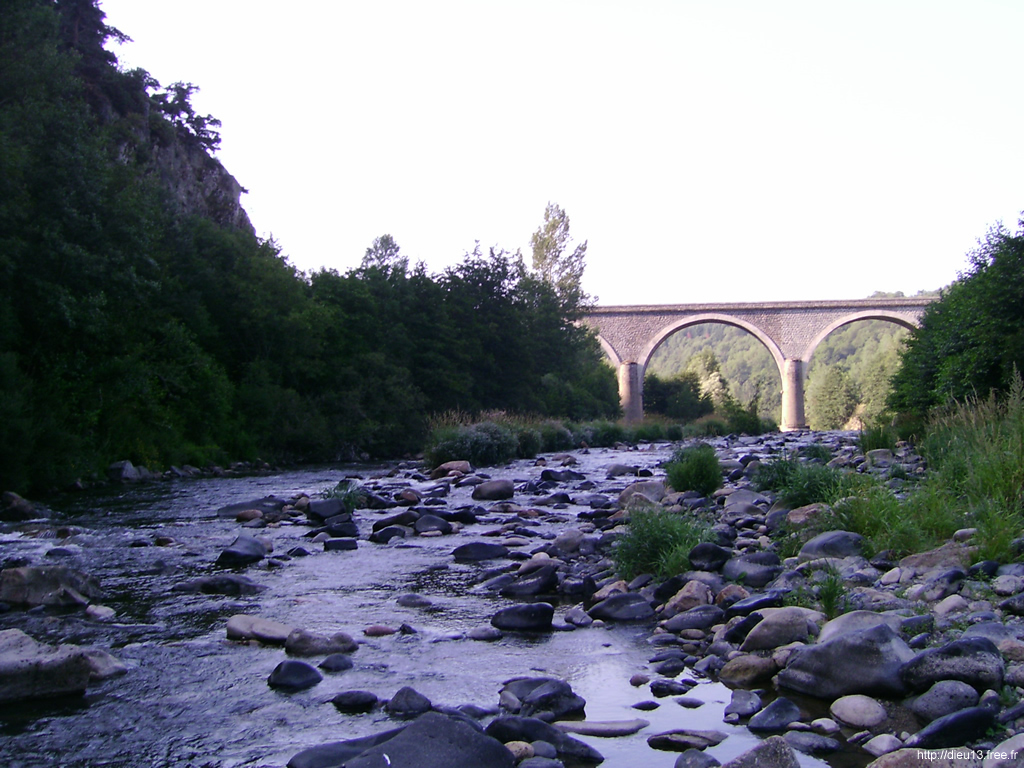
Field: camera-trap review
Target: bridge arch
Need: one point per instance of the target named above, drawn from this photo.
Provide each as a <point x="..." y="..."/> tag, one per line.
<point x="891" y="317"/>
<point x="664" y="333"/>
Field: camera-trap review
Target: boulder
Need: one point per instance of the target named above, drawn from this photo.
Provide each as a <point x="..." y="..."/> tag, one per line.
<point x="773" y="752"/>
<point x="450" y="467"/>
<point x="775" y="717"/>
<point x="696" y="758"/>
<point x="867" y="661"/>
<point x="811" y="743"/>
<point x="408" y="702"/>
<point x="683" y="739"/>
<point x="494" y="490"/>
<point x="244" y="627"/>
<point x="291" y="675"/>
<point x="546" y="698"/>
<point x="974" y="660"/>
<point x="700" y="617"/>
<point x="223" y="584"/>
<point x="530" y="729"/>
<point x="858" y="711"/>
<point x="747" y="671"/>
<point x="542" y="581"/>
<point x="301" y="642"/>
<point x="754" y="570"/>
<point x="529" y="617"/>
<point x="837" y="544"/>
<point x="651" y="489"/>
<point x="434" y="740"/>
<point x="709" y="557"/>
<point x="479" y="550"/>
<point x="54" y="585"/>
<point x="855" y="621"/>
<point x="954" y="730"/>
<point x="244" y="550"/>
<point x="943" y="698"/>
<point x="31" y="670"/>
<point x="625" y="606"/>
<point x="780" y="626"/>
<point x="354" y="702"/>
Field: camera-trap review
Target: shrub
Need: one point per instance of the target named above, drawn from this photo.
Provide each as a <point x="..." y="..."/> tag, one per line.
<point x="816" y="452"/>
<point x="555" y="437"/>
<point x="529" y="442"/>
<point x="695" y="468"/>
<point x="674" y="432"/>
<point x="649" y="431"/>
<point x="484" y="445"/>
<point x="798" y="483"/>
<point x="657" y="541"/>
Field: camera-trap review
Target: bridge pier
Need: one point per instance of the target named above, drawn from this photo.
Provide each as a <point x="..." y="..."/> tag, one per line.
<point x="793" y="396"/>
<point x="631" y="391"/>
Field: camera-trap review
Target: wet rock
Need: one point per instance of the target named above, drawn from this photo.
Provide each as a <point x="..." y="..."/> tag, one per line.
<point x="811" y="743"/>
<point x="954" y="730"/>
<point x="224" y="584"/>
<point x="602" y="728"/>
<point x="31" y="670"/>
<point x="292" y="675"/>
<point x="479" y="550"/>
<point x="773" y="752"/>
<point x="243" y="551"/>
<point x="542" y="581"/>
<point x="494" y="490"/>
<point x="770" y="599"/>
<point x="695" y="758"/>
<point x="780" y="626"/>
<point x="700" y="617"/>
<point x="662" y="688"/>
<point x="336" y="662"/>
<point x="354" y="702"/>
<point x="748" y="671"/>
<point x="744" y="703"/>
<point x="13" y="508"/>
<point x="243" y="627"/>
<point x="52" y="585"/>
<point x="755" y="570"/>
<point x="530" y="617"/>
<point x="516" y="728"/>
<point x="837" y="544"/>
<point x="432" y="523"/>
<point x="451" y="467"/>
<point x="943" y="698"/>
<point x="547" y="699"/>
<point x="625" y="606"/>
<point x="867" y="661"/>
<point x="775" y="717"/>
<point x="693" y="594"/>
<point x="650" y="489"/>
<point x="708" y="557"/>
<point x="858" y="711"/>
<point x="854" y="621"/>
<point x="975" y="661"/>
<point x="408" y="702"/>
<point x="301" y="642"/>
<point x="683" y="739"/>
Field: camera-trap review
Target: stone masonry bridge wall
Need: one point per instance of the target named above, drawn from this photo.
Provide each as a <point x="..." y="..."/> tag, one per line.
<point x="790" y="331"/>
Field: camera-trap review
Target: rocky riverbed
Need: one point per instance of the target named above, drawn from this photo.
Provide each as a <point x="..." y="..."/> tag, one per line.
<point x="250" y="621"/>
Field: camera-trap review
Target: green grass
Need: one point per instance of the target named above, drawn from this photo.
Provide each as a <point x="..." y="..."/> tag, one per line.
<point x="874" y="437"/>
<point x="658" y="541"/>
<point x="799" y="483"/>
<point x="695" y="468"/>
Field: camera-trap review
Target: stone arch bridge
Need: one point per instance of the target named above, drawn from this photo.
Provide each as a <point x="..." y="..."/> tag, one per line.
<point x="790" y="331"/>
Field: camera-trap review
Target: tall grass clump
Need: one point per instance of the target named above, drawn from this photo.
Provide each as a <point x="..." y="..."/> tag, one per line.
<point x="879" y="436"/>
<point x="797" y="483"/>
<point x="975" y="452"/>
<point x="657" y="541"/>
<point x="695" y="468"/>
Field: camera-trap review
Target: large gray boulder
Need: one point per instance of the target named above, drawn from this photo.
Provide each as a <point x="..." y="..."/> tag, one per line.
<point x="867" y="661"/>
<point x="832" y="544"/>
<point x="55" y="585"/>
<point x="31" y="670"/>
<point x="974" y="660"/>
<point x="244" y="550"/>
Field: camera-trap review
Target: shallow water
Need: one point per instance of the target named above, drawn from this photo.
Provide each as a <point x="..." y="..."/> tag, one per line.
<point x="191" y="699"/>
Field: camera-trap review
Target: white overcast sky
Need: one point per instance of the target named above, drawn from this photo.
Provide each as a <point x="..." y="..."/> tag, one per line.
<point x="711" y="150"/>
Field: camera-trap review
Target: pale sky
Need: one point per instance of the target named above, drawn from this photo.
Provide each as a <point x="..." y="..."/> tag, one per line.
<point x="712" y="150"/>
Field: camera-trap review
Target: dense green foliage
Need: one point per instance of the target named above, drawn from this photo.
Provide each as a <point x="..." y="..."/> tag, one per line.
<point x="134" y="325"/>
<point x="695" y="468"/>
<point x="657" y="541"/>
<point x="972" y="339"/>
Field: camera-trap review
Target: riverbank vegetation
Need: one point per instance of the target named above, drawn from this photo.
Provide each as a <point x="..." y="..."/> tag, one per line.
<point x="141" y="318"/>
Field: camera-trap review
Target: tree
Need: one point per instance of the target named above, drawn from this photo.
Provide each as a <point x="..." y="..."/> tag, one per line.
<point x="385" y="255"/>
<point x="833" y="399"/>
<point x="971" y="340"/>
<point x="556" y="263"/>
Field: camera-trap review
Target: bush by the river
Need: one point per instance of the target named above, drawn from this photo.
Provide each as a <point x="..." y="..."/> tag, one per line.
<point x="695" y="468"/>
<point x="657" y="541"/>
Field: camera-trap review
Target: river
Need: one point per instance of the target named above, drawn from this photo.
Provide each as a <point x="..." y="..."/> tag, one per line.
<point x="192" y="699"/>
